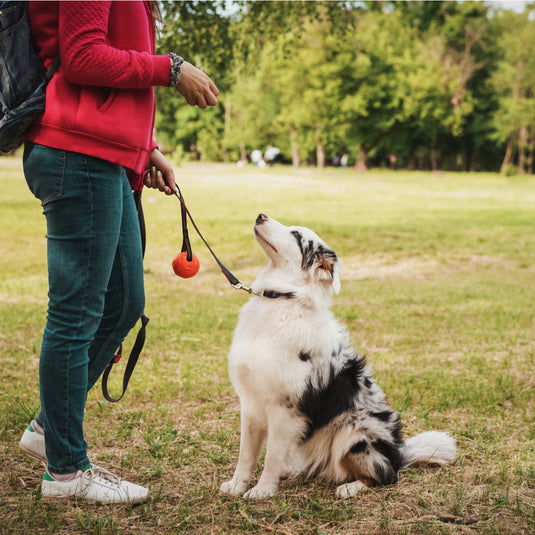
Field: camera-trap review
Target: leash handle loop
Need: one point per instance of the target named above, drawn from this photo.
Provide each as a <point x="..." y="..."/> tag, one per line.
<point x="131" y="364"/>
<point x="140" y="338"/>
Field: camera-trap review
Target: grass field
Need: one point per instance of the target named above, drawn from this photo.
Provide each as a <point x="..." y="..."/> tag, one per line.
<point x="438" y="291"/>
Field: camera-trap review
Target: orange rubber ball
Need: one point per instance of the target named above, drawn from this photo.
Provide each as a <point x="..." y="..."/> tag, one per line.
<point x="183" y="268"/>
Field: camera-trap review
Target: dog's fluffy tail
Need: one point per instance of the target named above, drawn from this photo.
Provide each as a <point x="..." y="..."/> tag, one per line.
<point x="432" y="447"/>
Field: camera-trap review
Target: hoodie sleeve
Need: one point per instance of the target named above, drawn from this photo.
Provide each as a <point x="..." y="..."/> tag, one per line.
<point x="95" y="52"/>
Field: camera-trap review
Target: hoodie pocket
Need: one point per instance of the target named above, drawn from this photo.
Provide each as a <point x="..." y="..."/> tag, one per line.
<point x="103" y="108"/>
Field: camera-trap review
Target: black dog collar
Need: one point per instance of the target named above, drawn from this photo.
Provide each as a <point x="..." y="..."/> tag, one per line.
<point x="272" y="294"/>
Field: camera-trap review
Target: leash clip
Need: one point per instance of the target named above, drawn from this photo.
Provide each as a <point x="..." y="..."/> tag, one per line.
<point x="240" y="286"/>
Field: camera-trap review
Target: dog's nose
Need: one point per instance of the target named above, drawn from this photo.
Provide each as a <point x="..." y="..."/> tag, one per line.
<point x="261" y="218"/>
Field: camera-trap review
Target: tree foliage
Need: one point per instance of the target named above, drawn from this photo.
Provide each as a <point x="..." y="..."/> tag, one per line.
<point x="421" y="84"/>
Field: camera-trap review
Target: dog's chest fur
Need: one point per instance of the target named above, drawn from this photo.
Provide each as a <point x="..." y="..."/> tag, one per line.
<point x="274" y="343"/>
<point x="284" y="353"/>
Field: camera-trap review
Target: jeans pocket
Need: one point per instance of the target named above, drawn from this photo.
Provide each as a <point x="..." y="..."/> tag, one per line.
<point x="44" y="170"/>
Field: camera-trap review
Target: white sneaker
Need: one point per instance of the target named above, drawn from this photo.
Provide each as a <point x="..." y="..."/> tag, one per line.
<point x="33" y="443"/>
<point x="93" y="485"/>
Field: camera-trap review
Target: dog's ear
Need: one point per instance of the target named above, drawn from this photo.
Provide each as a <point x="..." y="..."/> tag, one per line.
<point x="336" y="279"/>
<point x="328" y="269"/>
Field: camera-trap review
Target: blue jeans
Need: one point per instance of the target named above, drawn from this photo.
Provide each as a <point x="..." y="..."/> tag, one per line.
<point x="96" y="294"/>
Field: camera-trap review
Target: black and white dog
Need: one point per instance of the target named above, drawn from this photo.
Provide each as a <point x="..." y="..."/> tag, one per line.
<point x="303" y="390"/>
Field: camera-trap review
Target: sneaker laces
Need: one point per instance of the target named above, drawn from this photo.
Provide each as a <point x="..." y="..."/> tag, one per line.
<point x="95" y="472"/>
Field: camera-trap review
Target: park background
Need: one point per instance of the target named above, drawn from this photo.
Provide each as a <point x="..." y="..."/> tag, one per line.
<point x="437" y="280"/>
<point x="415" y="85"/>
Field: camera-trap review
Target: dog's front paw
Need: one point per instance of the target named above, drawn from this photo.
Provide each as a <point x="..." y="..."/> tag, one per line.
<point x="260" y="492"/>
<point x="234" y="487"/>
<point x="350" y="489"/>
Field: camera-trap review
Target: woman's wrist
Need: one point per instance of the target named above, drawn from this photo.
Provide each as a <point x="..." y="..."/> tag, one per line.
<point x="176" y="68"/>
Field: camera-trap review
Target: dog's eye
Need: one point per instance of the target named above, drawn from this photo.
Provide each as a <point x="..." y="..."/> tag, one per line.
<point x="297" y="235"/>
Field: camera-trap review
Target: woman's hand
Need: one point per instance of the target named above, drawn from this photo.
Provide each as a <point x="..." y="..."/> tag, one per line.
<point x="196" y="87"/>
<point x="160" y="174"/>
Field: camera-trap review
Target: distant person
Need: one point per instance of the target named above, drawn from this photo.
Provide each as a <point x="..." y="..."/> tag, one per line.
<point x="343" y="161"/>
<point x="271" y="155"/>
<point x="81" y="160"/>
<point x="256" y="156"/>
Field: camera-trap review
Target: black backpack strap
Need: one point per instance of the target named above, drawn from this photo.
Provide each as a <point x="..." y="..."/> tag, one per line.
<point x="53" y="69"/>
<point x="141" y="219"/>
<point x="140" y="338"/>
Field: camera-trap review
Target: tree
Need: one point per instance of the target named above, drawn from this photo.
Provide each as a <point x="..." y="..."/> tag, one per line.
<point x="375" y="94"/>
<point x="440" y="83"/>
<point x="514" y="81"/>
<point x="226" y="39"/>
<point x="454" y="61"/>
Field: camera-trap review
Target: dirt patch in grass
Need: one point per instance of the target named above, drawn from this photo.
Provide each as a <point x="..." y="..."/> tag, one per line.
<point x="385" y="267"/>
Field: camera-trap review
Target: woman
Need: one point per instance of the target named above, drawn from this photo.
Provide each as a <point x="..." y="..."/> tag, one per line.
<point x="92" y="145"/>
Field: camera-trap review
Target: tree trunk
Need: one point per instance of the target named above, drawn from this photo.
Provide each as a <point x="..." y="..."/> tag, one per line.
<point x="320" y="155"/>
<point x="411" y="162"/>
<point x="531" y="148"/>
<point x="508" y="153"/>
<point x="295" y="149"/>
<point x="243" y="154"/>
<point x="522" y="141"/>
<point x="468" y="157"/>
<point x="320" y="149"/>
<point x="360" y="165"/>
<point x="512" y="138"/>
<point x="433" y="159"/>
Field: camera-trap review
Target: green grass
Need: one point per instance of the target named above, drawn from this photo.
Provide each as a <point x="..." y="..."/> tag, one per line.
<point x="438" y="291"/>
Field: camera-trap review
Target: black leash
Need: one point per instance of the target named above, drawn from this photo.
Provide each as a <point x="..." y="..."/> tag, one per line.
<point x="186" y="246"/>
<point x="140" y="338"/>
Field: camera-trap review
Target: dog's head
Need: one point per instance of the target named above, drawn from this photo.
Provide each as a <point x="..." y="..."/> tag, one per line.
<point x="298" y="254"/>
